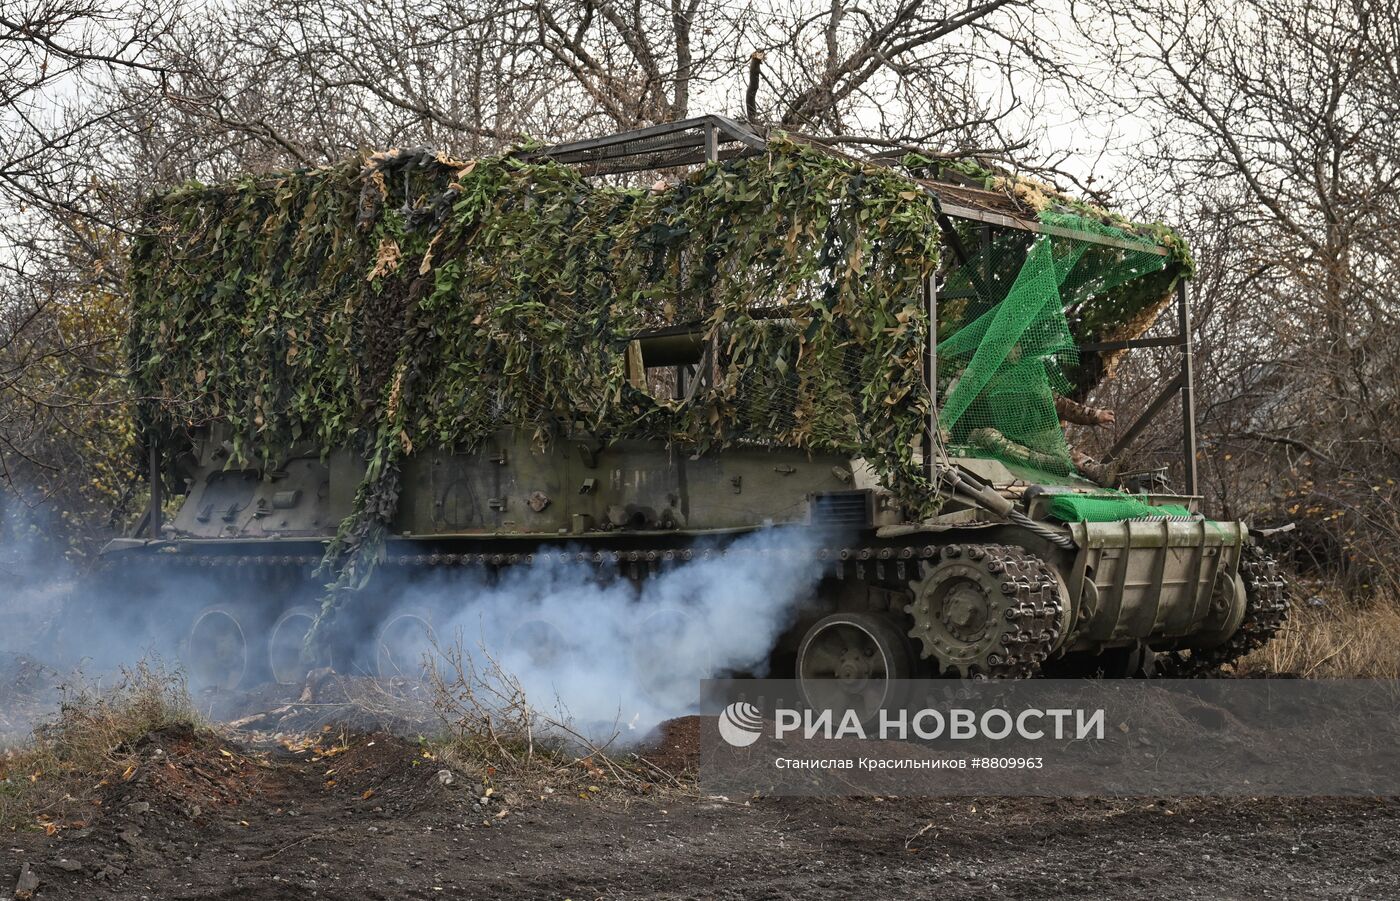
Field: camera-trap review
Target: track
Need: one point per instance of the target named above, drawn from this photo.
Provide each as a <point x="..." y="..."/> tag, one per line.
<point x="1266" y="610"/>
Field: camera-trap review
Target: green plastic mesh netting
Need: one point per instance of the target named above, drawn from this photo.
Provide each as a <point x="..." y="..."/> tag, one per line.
<point x="1108" y="507"/>
<point x="1010" y="317"/>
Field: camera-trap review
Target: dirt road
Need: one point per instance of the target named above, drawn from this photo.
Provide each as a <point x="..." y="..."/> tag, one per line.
<point x="370" y="816"/>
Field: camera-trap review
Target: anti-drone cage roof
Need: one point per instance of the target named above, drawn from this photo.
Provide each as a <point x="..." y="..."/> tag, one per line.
<point x="711" y="138"/>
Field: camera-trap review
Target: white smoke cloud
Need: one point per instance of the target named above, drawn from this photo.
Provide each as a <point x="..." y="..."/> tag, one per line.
<point x="605" y="651"/>
<point x="35" y="578"/>
<point x="594" y="646"/>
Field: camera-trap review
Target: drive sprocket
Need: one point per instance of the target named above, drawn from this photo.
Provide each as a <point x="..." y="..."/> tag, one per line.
<point x="986" y="611"/>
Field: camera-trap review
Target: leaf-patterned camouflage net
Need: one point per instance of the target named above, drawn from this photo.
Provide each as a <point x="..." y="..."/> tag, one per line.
<point x="411" y="301"/>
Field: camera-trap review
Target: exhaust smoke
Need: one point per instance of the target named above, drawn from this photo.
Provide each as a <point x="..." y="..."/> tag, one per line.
<point x="602" y="651"/>
<point x="591" y="647"/>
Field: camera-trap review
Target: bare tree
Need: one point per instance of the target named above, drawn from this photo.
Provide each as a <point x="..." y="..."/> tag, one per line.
<point x="885" y="73"/>
<point x="1276" y="132"/>
<point x="53" y="54"/>
<point x="62" y="413"/>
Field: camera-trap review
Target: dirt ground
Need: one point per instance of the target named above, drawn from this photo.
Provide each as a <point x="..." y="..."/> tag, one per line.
<point x="370" y="815"/>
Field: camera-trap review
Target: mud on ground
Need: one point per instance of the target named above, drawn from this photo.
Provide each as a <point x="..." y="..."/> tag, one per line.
<point x="366" y="815"/>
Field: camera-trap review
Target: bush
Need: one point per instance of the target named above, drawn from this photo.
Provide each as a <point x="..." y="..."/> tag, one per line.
<point x="92" y="739"/>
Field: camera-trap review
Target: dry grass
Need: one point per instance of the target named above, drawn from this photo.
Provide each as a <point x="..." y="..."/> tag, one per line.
<point x="91" y="739"/>
<point x="493" y="727"/>
<point x="1340" y="639"/>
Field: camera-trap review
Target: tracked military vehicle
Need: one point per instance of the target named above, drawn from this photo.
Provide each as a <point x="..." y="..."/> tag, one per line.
<point x="411" y="366"/>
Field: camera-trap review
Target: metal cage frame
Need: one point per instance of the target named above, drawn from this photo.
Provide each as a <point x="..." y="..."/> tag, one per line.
<point x="713" y="138"/>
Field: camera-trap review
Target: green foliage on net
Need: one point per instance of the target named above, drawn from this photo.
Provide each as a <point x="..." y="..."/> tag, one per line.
<point x="415" y="302"/>
<point x="1013" y="318"/>
<point x="411" y="301"/>
<point x="1042" y="198"/>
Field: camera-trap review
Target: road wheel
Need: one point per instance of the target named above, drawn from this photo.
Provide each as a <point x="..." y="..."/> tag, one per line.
<point x="217" y="653"/>
<point x="851" y="661"/>
<point x="403" y="644"/>
<point x="284" y="644"/>
<point x="537" y="645"/>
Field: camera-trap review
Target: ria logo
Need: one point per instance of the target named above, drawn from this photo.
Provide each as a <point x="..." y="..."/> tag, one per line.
<point x="740" y="724"/>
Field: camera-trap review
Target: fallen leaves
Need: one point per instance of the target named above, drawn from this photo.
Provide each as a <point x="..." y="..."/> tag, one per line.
<point x="319" y="753"/>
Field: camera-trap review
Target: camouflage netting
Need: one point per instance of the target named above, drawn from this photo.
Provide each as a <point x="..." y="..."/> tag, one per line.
<point x="412" y="301"/>
<point x="416" y="302"/>
<point x="1011" y="319"/>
